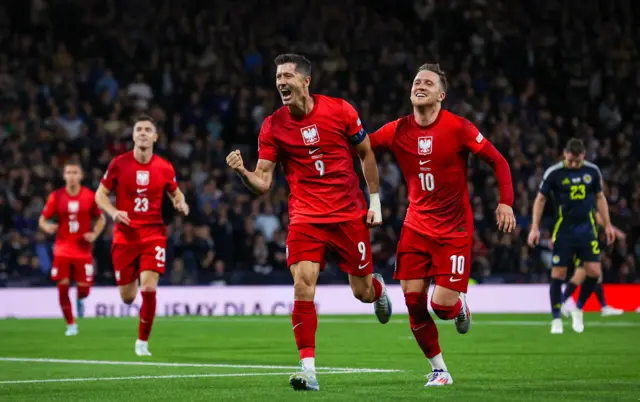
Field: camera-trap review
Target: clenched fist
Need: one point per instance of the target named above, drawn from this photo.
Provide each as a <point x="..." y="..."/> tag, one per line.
<point x="234" y="160"/>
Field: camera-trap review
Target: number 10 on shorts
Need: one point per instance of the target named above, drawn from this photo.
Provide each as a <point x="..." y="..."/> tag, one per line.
<point x="457" y="264"/>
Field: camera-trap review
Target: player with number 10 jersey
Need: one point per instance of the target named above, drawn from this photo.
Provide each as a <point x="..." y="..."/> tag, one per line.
<point x="431" y="147"/>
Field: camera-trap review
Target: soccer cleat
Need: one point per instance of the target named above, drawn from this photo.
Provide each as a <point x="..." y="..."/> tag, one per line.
<point x="72" y="330"/>
<point x="577" y="320"/>
<point x="438" y="378"/>
<point x="142" y="348"/>
<point x="610" y="311"/>
<point x="304" y="380"/>
<point x="566" y="309"/>
<point x="463" y="320"/>
<point x="80" y="308"/>
<point x="556" y="326"/>
<point x="382" y="306"/>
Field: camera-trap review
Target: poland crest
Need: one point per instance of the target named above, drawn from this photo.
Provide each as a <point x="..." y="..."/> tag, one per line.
<point x="310" y="135"/>
<point x="142" y="178"/>
<point x="425" y="145"/>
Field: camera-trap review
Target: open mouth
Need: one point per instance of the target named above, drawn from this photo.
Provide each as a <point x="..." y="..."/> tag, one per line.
<point x="286" y="94"/>
<point x="421" y="95"/>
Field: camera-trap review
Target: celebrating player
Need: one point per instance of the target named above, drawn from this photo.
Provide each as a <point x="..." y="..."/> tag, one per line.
<point x="140" y="179"/>
<point x="576" y="186"/>
<point x="75" y="208"/>
<point x="431" y="147"/>
<point x="310" y="136"/>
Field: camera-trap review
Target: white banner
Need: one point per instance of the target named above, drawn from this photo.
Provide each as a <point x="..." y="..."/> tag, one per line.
<point x="256" y="300"/>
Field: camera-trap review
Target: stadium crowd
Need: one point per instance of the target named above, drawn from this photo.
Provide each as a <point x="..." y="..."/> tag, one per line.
<point x="529" y="74"/>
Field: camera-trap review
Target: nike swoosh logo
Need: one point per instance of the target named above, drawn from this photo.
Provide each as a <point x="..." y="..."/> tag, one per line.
<point x="362" y="266"/>
<point x="313" y="151"/>
<point x="294" y="327"/>
<point x="141" y="190"/>
<point x="452" y="279"/>
<point x="419" y="328"/>
<point x="424" y="162"/>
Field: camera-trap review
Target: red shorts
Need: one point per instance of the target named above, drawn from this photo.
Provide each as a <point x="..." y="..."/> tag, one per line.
<point x="131" y="259"/>
<point x="447" y="260"/>
<point x="349" y="241"/>
<point x="76" y="269"/>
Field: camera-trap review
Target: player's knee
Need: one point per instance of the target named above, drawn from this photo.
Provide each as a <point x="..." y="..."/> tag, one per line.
<point x="127" y="299"/>
<point x="303" y="290"/>
<point x="442" y="311"/>
<point x="63" y="282"/>
<point x="560" y="274"/>
<point x="361" y="294"/>
<point x="148" y="287"/>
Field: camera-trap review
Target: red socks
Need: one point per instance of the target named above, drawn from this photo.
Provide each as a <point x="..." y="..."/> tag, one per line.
<point x="377" y="287"/>
<point x="305" y="323"/>
<point x="65" y="303"/>
<point x="447" y="312"/>
<point x="83" y="292"/>
<point x="422" y="325"/>
<point x="147" y="314"/>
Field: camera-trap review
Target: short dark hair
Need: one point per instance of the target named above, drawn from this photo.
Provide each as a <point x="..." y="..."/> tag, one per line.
<point x="435" y="68"/>
<point x="575" y="146"/>
<point x="145" y="117"/>
<point x="303" y="65"/>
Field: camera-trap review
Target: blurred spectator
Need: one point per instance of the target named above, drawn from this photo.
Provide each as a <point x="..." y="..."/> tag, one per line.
<point x="529" y="75"/>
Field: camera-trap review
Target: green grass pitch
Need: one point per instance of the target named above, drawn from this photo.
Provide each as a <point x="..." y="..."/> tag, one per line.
<point x="503" y="358"/>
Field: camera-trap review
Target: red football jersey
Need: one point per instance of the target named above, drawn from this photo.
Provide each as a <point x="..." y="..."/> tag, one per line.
<point x="433" y="161"/>
<point x="75" y="218"/>
<point x="139" y="191"/>
<point x="316" y="158"/>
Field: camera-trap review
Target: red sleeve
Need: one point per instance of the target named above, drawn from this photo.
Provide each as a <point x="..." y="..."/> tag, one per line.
<point x="494" y="158"/>
<point x="267" y="148"/>
<point x="50" y="207"/>
<point x="470" y="137"/>
<point x="383" y="137"/>
<point x="172" y="183"/>
<point x="111" y="175"/>
<point x="351" y="119"/>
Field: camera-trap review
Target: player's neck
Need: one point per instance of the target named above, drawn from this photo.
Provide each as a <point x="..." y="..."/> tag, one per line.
<point x="302" y="108"/>
<point x="72" y="190"/>
<point x="426" y="115"/>
<point x="142" y="155"/>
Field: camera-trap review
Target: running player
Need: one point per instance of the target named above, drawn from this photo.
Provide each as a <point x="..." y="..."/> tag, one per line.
<point x="75" y="209"/>
<point x="140" y="179"/>
<point x="431" y="147"/>
<point x="310" y="136"/>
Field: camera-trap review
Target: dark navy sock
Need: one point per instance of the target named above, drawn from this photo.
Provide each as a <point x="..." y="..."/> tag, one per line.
<point x="586" y="290"/>
<point x="555" y="293"/>
<point x="568" y="291"/>
<point x="600" y="294"/>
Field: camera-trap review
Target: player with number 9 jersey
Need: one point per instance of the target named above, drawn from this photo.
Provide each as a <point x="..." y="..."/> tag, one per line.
<point x="311" y="136"/>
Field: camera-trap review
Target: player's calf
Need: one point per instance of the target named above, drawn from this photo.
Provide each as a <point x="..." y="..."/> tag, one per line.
<point x="82" y="293"/>
<point x="65" y="306"/>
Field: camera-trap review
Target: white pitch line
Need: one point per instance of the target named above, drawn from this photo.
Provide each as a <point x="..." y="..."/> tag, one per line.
<point x="157" y="377"/>
<point x="205" y="365"/>
<point x="283" y="320"/>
